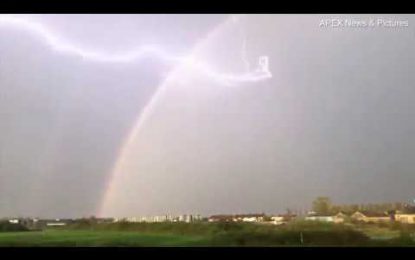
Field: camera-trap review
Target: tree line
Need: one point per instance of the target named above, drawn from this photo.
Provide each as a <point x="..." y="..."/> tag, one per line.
<point x="324" y="206"/>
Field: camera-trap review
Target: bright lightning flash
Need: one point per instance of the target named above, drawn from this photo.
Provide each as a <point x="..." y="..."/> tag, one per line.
<point x="57" y="44"/>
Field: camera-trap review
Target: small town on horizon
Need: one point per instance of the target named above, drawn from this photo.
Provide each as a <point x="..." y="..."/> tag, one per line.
<point x="322" y="210"/>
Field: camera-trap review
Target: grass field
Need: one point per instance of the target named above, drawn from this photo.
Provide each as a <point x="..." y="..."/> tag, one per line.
<point x="212" y="234"/>
<point x="74" y="238"/>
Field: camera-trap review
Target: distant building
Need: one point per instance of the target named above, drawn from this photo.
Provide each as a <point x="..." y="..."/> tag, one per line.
<point x="370" y="217"/>
<point x="197" y="217"/>
<point x="160" y="218"/>
<point x="282" y="218"/>
<point x="27" y="222"/>
<point x="252" y="217"/>
<point x="237" y="218"/>
<point x="55" y="224"/>
<point x="407" y="215"/>
<point x="131" y="219"/>
<point x="407" y="218"/>
<point x="164" y="218"/>
<point x="337" y="218"/>
<point x="14" y="221"/>
<point x="170" y="218"/>
<point x="320" y="218"/>
<point x="188" y="218"/>
<point x="340" y="217"/>
<point x="277" y="220"/>
<point x="221" y="218"/>
<point x="289" y="216"/>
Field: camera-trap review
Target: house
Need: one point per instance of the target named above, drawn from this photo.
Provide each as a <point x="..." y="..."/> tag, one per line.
<point x="277" y="220"/>
<point x="197" y="217"/>
<point x="251" y="217"/>
<point x="57" y="222"/>
<point x="221" y="218"/>
<point x="314" y="216"/>
<point x="282" y="219"/>
<point x="407" y="215"/>
<point x="407" y="218"/>
<point x="321" y="218"/>
<point x="186" y="218"/>
<point x="340" y="217"/>
<point x="132" y="219"/>
<point x="237" y="218"/>
<point x="14" y="221"/>
<point x="27" y="222"/>
<point x="370" y="217"/>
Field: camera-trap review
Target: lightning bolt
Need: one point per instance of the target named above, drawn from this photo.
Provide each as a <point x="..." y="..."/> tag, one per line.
<point x="235" y="19"/>
<point x="244" y="58"/>
<point x="190" y="62"/>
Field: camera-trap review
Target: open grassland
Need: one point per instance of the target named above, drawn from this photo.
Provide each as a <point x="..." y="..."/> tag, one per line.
<point x="74" y="238"/>
<point x="297" y="233"/>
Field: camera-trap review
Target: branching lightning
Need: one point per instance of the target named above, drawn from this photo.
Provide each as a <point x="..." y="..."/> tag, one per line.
<point x="191" y="63"/>
<point x="244" y="58"/>
<point x="60" y="45"/>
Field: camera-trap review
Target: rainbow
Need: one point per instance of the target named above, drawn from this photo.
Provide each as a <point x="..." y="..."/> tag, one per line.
<point x="65" y="47"/>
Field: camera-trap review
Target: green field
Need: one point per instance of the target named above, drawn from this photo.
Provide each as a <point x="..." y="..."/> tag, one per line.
<point x="74" y="238"/>
<point x="212" y="234"/>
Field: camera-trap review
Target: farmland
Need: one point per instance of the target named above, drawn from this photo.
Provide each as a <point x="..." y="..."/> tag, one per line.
<point x="301" y="233"/>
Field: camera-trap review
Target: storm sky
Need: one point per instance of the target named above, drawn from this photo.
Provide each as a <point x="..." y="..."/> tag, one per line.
<point x="336" y="119"/>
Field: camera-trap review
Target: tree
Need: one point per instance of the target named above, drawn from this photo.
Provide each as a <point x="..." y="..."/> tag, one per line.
<point x="322" y="205"/>
<point x="336" y="209"/>
<point x="353" y="208"/>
